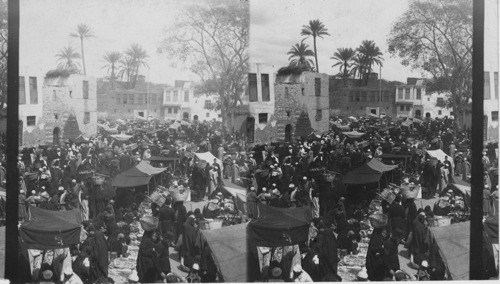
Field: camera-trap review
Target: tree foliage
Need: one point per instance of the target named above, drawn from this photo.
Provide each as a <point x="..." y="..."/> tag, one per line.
<point x="66" y="58"/>
<point x="344" y="59"/>
<point x="211" y="37"/>
<point x="299" y="56"/>
<point x="83" y="32"/>
<point x="435" y="36"/>
<point x="3" y="53"/>
<point x="370" y="55"/>
<point x="111" y="60"/>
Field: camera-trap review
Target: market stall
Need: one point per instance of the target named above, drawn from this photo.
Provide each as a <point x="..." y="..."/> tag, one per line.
<point x="228" y="247"/>
<point x="139" y="175"/>
<point x="371" y="172"/>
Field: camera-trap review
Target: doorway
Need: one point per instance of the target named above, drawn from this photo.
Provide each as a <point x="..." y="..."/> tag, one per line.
<point x="288" y="133"/>
<point x="55" y="136"/>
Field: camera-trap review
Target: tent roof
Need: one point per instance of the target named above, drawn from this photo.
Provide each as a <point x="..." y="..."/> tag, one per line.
<point x="453" y="242"/>
<point x="138" y="175"/>
<point x="121" y="137"/>
<point x="47" y="229"/>
<point x="354" y="134"/>
<point x="282" y="218"/>
<point x="371" y="172"/>
<point x="440" y="155"/>
<point x="209" y="157"/>
<point x="229" y="246"/>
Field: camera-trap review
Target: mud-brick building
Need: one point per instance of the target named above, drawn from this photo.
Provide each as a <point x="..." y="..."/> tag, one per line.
<point x="64" y="108"/>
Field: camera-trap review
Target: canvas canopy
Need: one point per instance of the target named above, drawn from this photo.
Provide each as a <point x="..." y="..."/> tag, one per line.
<point x="121" y="137"/>
<point x="440" y="155"/>
<point x="280" y="226"/>
<point x="369" y="173"/>
<point x="174" y="125"/>
<point x="228" y="246"/>
<point x="240" y="195"/>
<point x="354" y="134"/>
<point x="209" y="157"/>
<point x="136" y="176"/>
<point x="47" y="229"/>
<point x="452" y="243"/>
<point x="341" y="126"/>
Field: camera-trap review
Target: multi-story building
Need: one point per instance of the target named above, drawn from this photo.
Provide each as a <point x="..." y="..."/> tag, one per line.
<point x="30" y="107"/>
<point x="409" y="98"/>
<point x="68" y="108"/>
<point x="177" y="101"/>
<point x="491" y="70"/>
<point x="352" y="97"/>
<point x="435" y="105"/>
<point x="204" y="107"/>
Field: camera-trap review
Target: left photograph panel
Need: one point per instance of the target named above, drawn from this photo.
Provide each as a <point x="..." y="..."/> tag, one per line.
<point x="129" y="135"/>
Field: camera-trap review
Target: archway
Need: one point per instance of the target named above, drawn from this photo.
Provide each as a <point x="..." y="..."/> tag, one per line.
<point x="288" y="133"/>
<point x="185" y="116"/>
<point x="428" y="114"/>
<point x="55" y="136"/>
<point x="418" y="113"/>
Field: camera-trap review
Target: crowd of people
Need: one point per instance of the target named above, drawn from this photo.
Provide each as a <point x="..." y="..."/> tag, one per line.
<point x="306" y="172"/>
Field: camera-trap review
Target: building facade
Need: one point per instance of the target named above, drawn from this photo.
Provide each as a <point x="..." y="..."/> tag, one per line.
<point x="30" y="107"/>
<point x="130" y="104"/>
<point x="410" y="98"/>
<point x="435" y="105"/>
<point x="69" y="109"/>
<point x="353" y="98"/>
<point x="491" y="70"/>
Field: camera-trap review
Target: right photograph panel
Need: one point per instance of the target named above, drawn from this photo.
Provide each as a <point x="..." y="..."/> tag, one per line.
<point x="358" y="137"/>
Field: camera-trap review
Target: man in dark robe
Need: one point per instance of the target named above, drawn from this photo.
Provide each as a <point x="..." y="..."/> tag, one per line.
<point x="375" y="256"/>
<point x="189" y="249"/>
<point x="252" y="203"/>
<point x="167" y="221"/>
<point x="148" y="266"/>
<point x="397" y="215"/>
<point x="410" y="214"/>
<point x="419" y="245"/>
<point x="180" y="219"/>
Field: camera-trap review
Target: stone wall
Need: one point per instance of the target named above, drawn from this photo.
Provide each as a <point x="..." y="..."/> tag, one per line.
<point x="109" y="109"/>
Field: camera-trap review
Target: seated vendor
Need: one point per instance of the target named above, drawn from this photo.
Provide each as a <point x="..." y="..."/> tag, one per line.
<point x="442" y="207"/>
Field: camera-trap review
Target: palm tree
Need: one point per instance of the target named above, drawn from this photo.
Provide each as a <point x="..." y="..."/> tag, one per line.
<point x="315" y="29"/>
<point x="371" y="54"/>
<point x="126" y="68"/>
<point x="358" y="64"/>
<point x="66" y="56"/>
<point x="111" y="59"/>
<point x="138" y="56"/>
<point x="82" y="32"/>
<point x="344" y="58"/>
<point x="299" y="54"/>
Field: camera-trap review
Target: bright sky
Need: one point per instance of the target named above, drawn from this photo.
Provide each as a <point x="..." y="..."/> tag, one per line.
<point x="45" y="26"/>
<point x="276" y="26"/>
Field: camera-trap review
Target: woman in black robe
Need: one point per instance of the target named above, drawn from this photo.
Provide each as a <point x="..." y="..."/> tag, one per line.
<point x="148" y="266"/>
<point x="189" y="248"/>
<point x="328" y="257"/>
<point x="99" y="255"/>
<point x="410" y="214"/>
<point x="397" y="216"/>
<point x="180" y="219"/>
<point x="375" y="256"/>
<point x="419" y="245"/>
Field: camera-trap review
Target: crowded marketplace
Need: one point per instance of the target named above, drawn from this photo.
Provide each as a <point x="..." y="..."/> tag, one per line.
<point x="146" y="202"/>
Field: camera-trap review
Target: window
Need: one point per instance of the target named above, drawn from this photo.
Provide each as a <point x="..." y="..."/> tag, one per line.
<point x="167" y="96"/>
<point x="419" y="94"/>
<point x="288" y="113"/>
<point x="266" y="95"/>
<point x="70" y="94"/>
<point x="22" y="91"/>
<point x="440" y="102"/>
<point x="356" y="97"/>
<point x="303" y="92"/>
<point x="262" y="117"/>
<point x="141" y="114"/>
<point x="125" y="99"/>
<point x="33" y="91"/>
<point x="496" y="85"/>
<point x="400" y="93"/>
<point x="208" y="104"/>
<point x="169" y="110"/>
<point x="176" y="110"/>
<point x="176" y="96"/>
<point x="373" y="111"/>
<point x="252" y="87"/>
<point x="140" y="99"/>
<point x="145" y="98"/>
<point x="160" y="98"/>
<point x="428" y="99"/>
<point x="494" y="115"/>
<point x="408" y="108"/>
<point x="402" y="108"/>
<point x="317" y="87"/>
<point x="56" y="116"/>
<point x="131" y="99"/>
<point x="208" y="114"/>
<point x="287" y="94"/>
<point x="487" y="94"/>
<point x="31" y="120"/>
<point x="186" y="96"/>
<point x="407" y="93"/>
<point x="54" y="95"/>
<point x="85" y="89"/>
<point x="440" y="112"/>
<point x="118" y="98"/>
<point x="86" y="118"/>
<point x="319" y="115"/>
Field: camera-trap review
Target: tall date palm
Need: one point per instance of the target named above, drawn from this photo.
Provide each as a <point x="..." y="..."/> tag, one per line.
<point x="299" y="56"/>
<point x="343" y="58"/>
<point x="83" y="32"/>
<point x="372" y="55"/>
<point x="111" y="59"/>
<point x="315" y="29"/>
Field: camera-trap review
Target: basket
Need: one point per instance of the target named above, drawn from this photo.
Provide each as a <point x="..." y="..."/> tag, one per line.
<point x="378" y="220"/>
<point x="388" y="195"/>
<point x="158" y="198"/>
<point x="443" y="221"/>
<point x="179" y="194"/>
<point x="410" y="192"/>
<point x="149" y="223"/>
